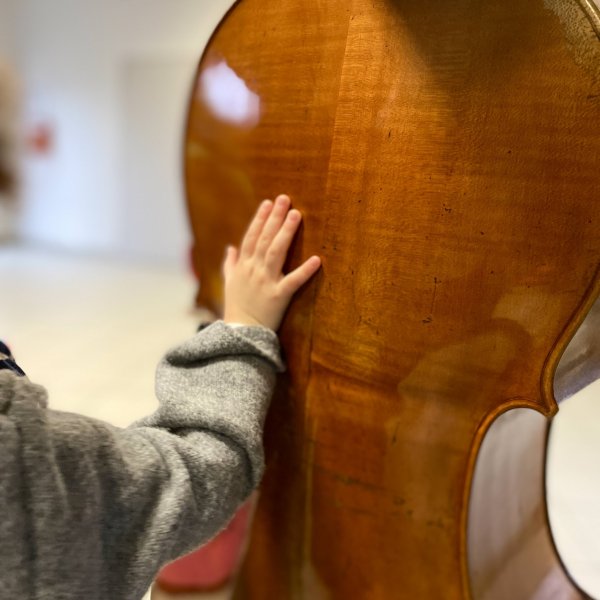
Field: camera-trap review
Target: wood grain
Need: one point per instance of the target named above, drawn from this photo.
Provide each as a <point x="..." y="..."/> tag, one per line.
<point x="445" y="157"/>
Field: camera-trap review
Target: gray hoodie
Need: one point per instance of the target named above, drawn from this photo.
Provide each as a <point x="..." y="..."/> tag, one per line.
<point x="91" y="512"/>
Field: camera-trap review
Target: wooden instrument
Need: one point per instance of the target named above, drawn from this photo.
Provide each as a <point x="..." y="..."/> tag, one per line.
<point x="445" y="156"/>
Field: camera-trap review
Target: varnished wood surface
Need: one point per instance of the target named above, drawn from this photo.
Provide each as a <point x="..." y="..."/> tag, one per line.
<point x="445" y="156"/>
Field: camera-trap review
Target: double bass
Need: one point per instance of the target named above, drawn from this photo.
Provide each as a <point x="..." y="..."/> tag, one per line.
<point x="445" y="156"/>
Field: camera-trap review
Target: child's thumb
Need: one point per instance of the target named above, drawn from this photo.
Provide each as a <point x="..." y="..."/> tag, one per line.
<point x="230" y="260"/>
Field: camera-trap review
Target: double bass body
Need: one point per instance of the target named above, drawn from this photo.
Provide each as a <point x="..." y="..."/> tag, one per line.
<point x="445" y="156"/>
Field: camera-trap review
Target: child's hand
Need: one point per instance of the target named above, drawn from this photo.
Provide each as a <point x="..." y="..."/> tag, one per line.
<point x="256" y="290"/>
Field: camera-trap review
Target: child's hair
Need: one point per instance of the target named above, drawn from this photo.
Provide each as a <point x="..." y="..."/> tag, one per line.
<point x="8" y="179"/>
<point x="8" y="135"/>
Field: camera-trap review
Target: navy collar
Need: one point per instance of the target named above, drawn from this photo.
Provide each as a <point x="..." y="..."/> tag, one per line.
<point x="7" y="362"/>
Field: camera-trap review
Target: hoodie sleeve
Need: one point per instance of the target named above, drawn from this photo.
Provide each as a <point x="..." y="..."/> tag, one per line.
<point x="97" y="510"/>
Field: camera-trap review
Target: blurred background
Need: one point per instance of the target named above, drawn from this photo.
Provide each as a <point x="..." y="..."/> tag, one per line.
<point x="104" y="87"/>
<point x="94" y="239"/>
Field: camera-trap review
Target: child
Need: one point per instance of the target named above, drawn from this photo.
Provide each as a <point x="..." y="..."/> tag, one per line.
<point x="90" y="511"/>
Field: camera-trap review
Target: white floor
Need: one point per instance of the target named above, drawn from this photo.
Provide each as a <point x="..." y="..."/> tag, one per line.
<point x="92" y="331"/>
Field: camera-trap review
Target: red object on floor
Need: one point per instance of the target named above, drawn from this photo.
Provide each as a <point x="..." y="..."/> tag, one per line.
<point x="212" y="565"/>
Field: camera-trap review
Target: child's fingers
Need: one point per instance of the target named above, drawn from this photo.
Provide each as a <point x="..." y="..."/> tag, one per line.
<point x="293" y="281"/>
<point x="255" y="228"/>
<point x="280" y="245"/>
<point x="273" y="225"/>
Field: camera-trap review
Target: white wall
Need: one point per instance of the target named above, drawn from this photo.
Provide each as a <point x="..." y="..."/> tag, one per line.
<point x="6" y="28"/>
<point x="73" y="56"/>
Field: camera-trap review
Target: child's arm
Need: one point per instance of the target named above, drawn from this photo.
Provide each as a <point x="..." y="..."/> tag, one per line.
<point x="92" y="511"/>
